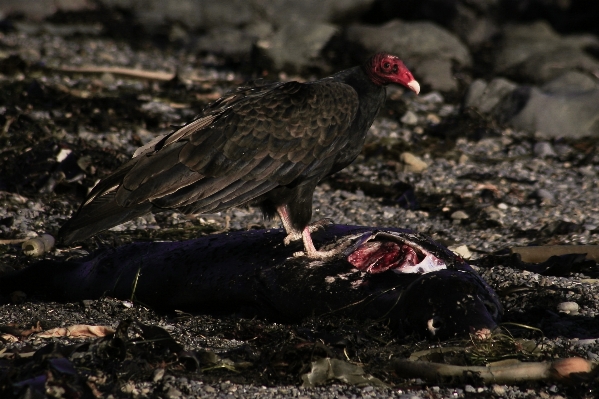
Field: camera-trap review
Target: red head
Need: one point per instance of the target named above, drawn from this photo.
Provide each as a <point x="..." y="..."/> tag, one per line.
<point x="384" y="68"/>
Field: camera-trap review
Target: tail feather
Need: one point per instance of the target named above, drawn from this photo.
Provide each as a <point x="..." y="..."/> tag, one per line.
<point x="99" y="215"/>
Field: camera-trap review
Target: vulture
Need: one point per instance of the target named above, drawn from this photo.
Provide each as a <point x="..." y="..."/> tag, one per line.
<point x="264" y="144"/>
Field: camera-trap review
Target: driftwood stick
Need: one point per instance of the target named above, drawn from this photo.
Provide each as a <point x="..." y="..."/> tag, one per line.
<point x="538" y="254"/>
<point x="13" y="241"/>
<point x="121" y="71"/>
<point x="499" y="373"/>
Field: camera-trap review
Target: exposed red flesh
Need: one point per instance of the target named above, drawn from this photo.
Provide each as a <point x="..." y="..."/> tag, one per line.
<point x="380" y="256"/>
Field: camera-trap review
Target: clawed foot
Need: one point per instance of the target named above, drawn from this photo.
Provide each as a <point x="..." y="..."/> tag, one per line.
<point x="293" y="236"/>
<point x="313" y="253"/>
<point x="312" y="227"/>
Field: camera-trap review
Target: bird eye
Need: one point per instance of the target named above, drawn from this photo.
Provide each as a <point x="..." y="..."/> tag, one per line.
<point x="386" y="65"/>
<point x="395" y="68"/>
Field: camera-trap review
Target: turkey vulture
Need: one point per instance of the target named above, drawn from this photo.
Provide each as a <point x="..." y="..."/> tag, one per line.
<point x="262" y="144"/>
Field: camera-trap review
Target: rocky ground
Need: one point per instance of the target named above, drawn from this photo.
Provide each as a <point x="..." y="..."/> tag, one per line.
<point x="499" y="150"/>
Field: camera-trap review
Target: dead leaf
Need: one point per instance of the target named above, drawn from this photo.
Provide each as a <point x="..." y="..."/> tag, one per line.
<point x="77" y="331"/>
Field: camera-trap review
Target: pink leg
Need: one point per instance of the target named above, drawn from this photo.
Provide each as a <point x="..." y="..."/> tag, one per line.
<point x="294" y="235"/>
<point x="312" y="252"/>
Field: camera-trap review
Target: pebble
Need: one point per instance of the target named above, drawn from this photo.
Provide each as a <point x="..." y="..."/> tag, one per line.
<point x="494" y="213"/>
<point x="412" y="162"/>
<point x="498" y="389"/>
<point x="568" y="308"/>
<point x="461" y="250"/>
<point x="409" y="118"/>
<point x="158" y="374"/>
<point x="433" y="119"/>
<point x="543" y="149"/>
<point x="173" y="393"/>
<point x="545" y="196"/>
<point x="434" y="97"/>
<point x="459" y="215"/>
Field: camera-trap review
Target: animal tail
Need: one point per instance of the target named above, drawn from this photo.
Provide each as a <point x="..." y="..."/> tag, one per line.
<point x="100" y="214"/>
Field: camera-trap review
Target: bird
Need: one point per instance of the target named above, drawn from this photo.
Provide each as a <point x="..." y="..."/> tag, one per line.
<point x="262" y="144"/>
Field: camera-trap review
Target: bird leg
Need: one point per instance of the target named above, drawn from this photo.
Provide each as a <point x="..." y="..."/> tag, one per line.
<point x="311" y="251"/>
<point x="294" y="234"/>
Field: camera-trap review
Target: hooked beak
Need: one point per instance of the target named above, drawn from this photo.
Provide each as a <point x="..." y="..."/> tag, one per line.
<point x="414" y="86"/>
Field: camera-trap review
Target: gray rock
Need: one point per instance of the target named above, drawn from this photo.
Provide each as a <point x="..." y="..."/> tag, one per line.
<point x="337" y="11"/>
<point x="565" y="107"/>
<point x="296" y="45"/>
<point x="232" y="42"/>
<point x="426" y="48"/>
<point x="558" y="114"/>
<point x="210" y="14"/>
<point x="472" y="22"/>
<point x="544" y="149"/>
<point x="437" y="73"/>
<point x="485" y="97"/>
<point x="40" y="9"/>
<point x="536" y="53"/>
<point x="571" y="81"/>
<point x="194" y="14"/>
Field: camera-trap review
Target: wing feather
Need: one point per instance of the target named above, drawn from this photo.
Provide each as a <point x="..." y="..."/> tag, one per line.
<point x="240" y="147"/>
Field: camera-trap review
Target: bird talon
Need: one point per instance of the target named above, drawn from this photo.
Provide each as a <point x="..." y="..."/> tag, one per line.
<point x="320" y="224"/>
<point x="292" y="237"/>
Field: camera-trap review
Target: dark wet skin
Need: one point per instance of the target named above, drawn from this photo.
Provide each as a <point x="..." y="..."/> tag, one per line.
<point x="253" y="274"/>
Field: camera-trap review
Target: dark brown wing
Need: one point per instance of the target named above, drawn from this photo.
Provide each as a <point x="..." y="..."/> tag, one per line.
<point x="253" y="143"/>
<point x="241" y="146"/>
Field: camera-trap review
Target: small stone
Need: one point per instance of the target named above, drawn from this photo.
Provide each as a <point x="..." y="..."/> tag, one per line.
<point x="469" y="389"/>
<point x="461" y="250"/>
<point x="587" y="171"/>
<point x="158" y="375"/>
<point x="107" y="78"/>
<point x="543" y="149"/>
<point x="433" y="119"/>
<point x="568" y="308"/>
<point x="434" y="97"/>
<point x="173" y="393"/>
<point x="498" y="389"/>
<point x="459" y="215"/>
<point x="494" y="213"/>
<point x="463" y="159"/>
<point x="545" y="196"/>
<point x="209" y="389"/>
<point x="409" y="118"/>
<point x="412" y="162"/>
